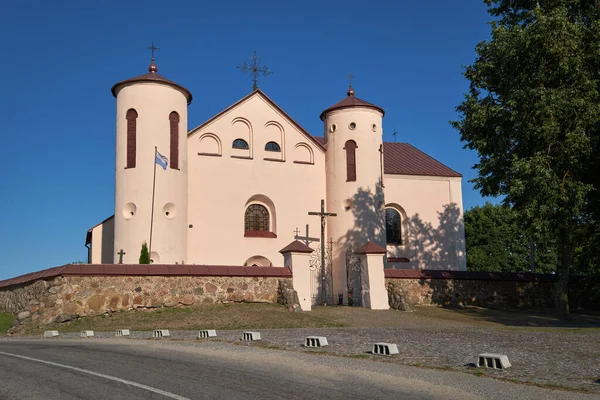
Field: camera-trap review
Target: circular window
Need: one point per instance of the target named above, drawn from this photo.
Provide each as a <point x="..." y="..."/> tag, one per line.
<point x="332" y="128"/>
<point x="374" y="127"/>
<point x="169" y="210"/>
<point x="352" y="125"/>
<point x="154" y="258"/>
<point x="347" y="204"/>
<point x="129" y="210"/>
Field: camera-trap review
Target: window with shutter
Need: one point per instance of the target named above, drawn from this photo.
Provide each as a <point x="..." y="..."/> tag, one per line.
<point x="131" y="118"/>
<point x="174" y="123"/>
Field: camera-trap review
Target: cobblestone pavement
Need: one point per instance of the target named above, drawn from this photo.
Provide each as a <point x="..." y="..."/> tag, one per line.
<point x="554" y="357"/>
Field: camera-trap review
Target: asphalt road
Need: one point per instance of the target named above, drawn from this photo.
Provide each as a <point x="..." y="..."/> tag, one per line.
<point x="132" y="369"/>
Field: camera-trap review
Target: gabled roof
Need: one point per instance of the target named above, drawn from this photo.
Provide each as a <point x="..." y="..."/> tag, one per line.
<point x="258" y="92"/>
<point x="350" y="102"/>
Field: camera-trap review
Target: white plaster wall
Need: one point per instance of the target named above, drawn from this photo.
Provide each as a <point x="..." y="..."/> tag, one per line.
<point x="102" y="245"/>
<point x="153" y="103"/>
<point x="220" y="186"/>
<point x="435" y="237"/>
<point x="359" y="204"/>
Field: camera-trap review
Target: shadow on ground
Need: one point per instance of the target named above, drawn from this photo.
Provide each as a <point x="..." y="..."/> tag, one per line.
<point x="513" y="317"/>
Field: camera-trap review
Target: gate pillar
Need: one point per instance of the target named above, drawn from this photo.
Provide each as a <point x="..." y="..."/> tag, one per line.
<point x="373" y="290"/>
<point x="296" y="256"/>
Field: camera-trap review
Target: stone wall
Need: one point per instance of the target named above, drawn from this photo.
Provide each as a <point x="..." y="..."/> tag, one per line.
<point x="63" y="298"/>
<point x="487" y="290"/>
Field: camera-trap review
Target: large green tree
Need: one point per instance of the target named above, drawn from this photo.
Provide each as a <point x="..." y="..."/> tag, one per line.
<point x="532" y="113"/>
<point x="498" y="240"/>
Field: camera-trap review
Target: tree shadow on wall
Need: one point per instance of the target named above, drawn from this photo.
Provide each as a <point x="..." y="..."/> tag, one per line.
<point x="437" y="248"/>
<point x="368" y="209"/>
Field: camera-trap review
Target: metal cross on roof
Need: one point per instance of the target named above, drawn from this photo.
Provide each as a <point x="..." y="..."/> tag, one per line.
<point x="394" y="134"/>
<point x="153" y="48"/>
<point x="253" y="67"/>
<point x="350" y="76"/>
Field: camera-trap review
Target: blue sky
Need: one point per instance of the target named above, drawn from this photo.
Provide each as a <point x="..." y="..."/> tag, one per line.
<point x="59" y="59"/>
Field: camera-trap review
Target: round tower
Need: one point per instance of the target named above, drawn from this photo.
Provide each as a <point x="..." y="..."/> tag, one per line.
<point x="150" y="198"/>
<point x="354" y="168"/>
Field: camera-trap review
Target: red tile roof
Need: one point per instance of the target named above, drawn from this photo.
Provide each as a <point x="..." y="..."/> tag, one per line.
<point x="349" y="102"/>
<point x="147" y="269"/>
<point x="404" y="159"/>
<point x="370" y="248"/>
<point x="296" y="247"/>
<point x="152" y="77"/>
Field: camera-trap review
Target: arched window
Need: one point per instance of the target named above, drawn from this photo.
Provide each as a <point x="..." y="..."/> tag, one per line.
<point x="256" y="218"/>
<point x="350" y="148"/>
<point x="174" y="123"/>
<point x="272" y="146"/>
<point x="240" y="144"/>
<point x="393" y="227"/>
<point x="131" y="118"/>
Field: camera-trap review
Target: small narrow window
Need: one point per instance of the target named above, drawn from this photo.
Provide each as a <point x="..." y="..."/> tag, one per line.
<point x="240" y="144"/>
<point x="350" y="148"/>
<point x="131" y="118"/>
<point x="256" y="218"/>
<point x="393" y="227"/>
<point x="174" y="122"/>
<point x="272" y="146"/>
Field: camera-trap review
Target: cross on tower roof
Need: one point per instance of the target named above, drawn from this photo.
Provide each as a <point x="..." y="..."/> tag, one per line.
<point x="152" y="68"/>
<point x="152" y="48"/>
<point x="253" y="67"/>
<point x="351" y="90"/>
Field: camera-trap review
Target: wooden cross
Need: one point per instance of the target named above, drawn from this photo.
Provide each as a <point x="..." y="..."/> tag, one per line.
<point x="153" y="49"/>
<point x="307" y="239"/>
<point x="323" y="216"/>
<point x="121" y="254"/>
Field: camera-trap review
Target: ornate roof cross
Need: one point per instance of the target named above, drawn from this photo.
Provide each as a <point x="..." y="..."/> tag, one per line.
<point x="253" y="67"/>
<point x="394" y="134"/>
<point x="152" y="48"/>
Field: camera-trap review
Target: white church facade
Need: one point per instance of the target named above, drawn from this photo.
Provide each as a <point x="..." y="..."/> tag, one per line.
<point x="239" y="187"/>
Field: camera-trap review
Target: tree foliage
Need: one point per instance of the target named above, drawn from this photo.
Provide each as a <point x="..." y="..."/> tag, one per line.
<point x="144" y="255"/>
<point x="498" y="241"/>
<point x="532" y="113"/>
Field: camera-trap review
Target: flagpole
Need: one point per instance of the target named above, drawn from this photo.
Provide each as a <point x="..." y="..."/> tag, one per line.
<point x="152" y="213"/>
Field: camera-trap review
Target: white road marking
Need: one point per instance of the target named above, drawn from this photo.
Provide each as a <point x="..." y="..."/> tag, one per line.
<point x="112" y="378"/>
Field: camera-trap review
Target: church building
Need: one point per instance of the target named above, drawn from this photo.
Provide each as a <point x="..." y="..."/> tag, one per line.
<point x="238" y="188"/>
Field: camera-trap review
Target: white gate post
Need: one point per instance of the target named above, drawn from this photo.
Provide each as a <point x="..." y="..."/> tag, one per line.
<point x="296" y="256"/>
<point x="373" y="290"/>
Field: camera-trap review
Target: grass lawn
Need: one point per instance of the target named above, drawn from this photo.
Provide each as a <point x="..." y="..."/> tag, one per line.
<point x="273" y="316"/>
<point x="214" y="316"/>
<point x="6" y="320"/>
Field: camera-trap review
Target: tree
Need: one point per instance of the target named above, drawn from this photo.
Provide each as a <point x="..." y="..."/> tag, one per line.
<point x="144" y="255"/>
<point x="532" y="114"/>
<point x="497" y="240"/>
